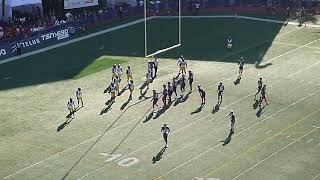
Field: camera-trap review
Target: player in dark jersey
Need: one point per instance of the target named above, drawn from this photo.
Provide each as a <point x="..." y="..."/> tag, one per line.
<point x="190" y="79"/>
<point x="232" y="120"/>
<point x="263" y="95"/>
<point x="202" y="93"/>
<point x="259" y="84"/>
<point x="165" y="133"/>
<point x="241" y="65"/>
<point x="174" y="86"/>
<point x="164" y="95"/>
<point x="155" y="98"/>
<point x="288" y="13"/>
<point x="220" y="91"/>
<point x="183" y="83"/>
<point x="229" y="45"/>
<point x="170" y="92"/>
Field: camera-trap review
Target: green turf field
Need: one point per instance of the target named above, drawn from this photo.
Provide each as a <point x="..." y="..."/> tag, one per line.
<point x="123" y="141"/>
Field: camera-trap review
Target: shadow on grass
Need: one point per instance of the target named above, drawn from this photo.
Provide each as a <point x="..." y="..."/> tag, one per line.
<point x="216" y="108"/>
<point x="159" y="155"/>
<point x="102" y="135"/>
<point x="63" y="125"/>
<point x="260" y="111"/>
<point x="199" y="109"/>
<point x="63" y="63"/>
<point x="228" y="139"/>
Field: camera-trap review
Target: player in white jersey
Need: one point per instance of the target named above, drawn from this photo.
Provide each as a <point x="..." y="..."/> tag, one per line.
<point x="229" y="45"/>
<point x="183" y="65"/>
<point x="129" y="73"/>
<point x="114" y="71"/>
<point x="119" y="72"/>
<point x="131" y="88"/>
<point x="117" y="84"/>
<point x="232" y="120"/>
<point x="71" y="107"/>
<point x="79" y="97"/>
<point x="112" y="90"/>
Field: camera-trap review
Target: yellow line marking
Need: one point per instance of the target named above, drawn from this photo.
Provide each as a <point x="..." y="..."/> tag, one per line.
<point x="243" y="154"/>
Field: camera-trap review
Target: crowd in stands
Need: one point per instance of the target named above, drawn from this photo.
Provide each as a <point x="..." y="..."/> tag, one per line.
<point x="23" y="25"/>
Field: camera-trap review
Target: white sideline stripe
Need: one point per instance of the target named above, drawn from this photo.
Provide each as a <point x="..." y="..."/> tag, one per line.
<point x="314" y="178"/>
<point x="73" y="40"/>
<point x="274" y="154"/>
<point x="309" y="140"/>
<point x="70" y="148"/>
<point x="237" y="134"/>
<point x="239" y="17"/>
<point x="268" y="132"/>
<point x="129" y="122"/>
<point x="92" y="172"/>
<point x="163" y="50"/>
<point x="127" y="25"/>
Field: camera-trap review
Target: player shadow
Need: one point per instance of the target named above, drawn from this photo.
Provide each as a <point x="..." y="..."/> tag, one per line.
<point x="228" y="139"/>
<point x="108" y="108"/>
<point x="142" y="93"/>
<point x="69" y="115"/>
<point x="258" y="66"/>
<point x="260" y="111"/>
<point x="99" y="138"/>
<point x="216" y="108"/>
<point x="127" y="135"/>
<point x="159" y="155"/>
<point x="107" y="90"/>
<point x="256" y="104"/>
<point x="162" y="110"/>
<point x="122" y="91"/>
<point x="199" y="109"/>
<point x="124" y="104"/>
<point x="63" y="125"/>
<point x="237" y="81"/>
<point x="177" y="101"/>
<point x="149" y="117"/>
<point x="185" y="97"/>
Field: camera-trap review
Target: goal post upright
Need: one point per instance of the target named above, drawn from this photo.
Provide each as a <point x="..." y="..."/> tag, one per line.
<point x="145" y="29"/>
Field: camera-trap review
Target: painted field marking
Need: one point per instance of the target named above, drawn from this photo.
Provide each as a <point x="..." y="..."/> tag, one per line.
<point x="268" y="132"/>
<point x="258" y="129"/>
<point x="91" y="139"/>
<point x="281" y="110"/>
<point x="317" y="176"/>
<point x="270" y="156"/>
<point x="92" y="172"/>
<point x="309" y="140"/>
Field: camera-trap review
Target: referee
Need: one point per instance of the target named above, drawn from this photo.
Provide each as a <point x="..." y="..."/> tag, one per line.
<point x="233" y="120"/>
<point x="165" y="132"/>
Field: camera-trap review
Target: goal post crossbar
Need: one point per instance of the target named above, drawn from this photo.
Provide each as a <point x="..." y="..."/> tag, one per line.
<point x="162" y="50"/>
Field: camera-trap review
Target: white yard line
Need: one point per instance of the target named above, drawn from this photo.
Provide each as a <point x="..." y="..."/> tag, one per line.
<point x="270" y="156"/>
<point x="92" y="172"/>
<point x="208" y="150"/>
<point x="317" y="176"/>
<point x="108" y="30"/>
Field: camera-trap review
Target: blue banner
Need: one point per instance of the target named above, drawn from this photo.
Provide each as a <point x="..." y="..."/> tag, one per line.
<point x="44" y="39"/>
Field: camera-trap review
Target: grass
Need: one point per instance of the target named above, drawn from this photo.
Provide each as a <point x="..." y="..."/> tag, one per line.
<point x="280" y="141"/>
<point x="97" y="66"/>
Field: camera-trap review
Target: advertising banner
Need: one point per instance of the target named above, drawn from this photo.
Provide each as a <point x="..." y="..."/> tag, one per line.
<point x="36" y="42"/>
<point x="72" y="4"/>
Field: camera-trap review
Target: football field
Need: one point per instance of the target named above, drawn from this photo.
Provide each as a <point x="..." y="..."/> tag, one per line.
<point x="123" y="140"/>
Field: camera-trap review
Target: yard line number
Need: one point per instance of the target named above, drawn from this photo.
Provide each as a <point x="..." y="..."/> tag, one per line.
<point x="127" y="162"/>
